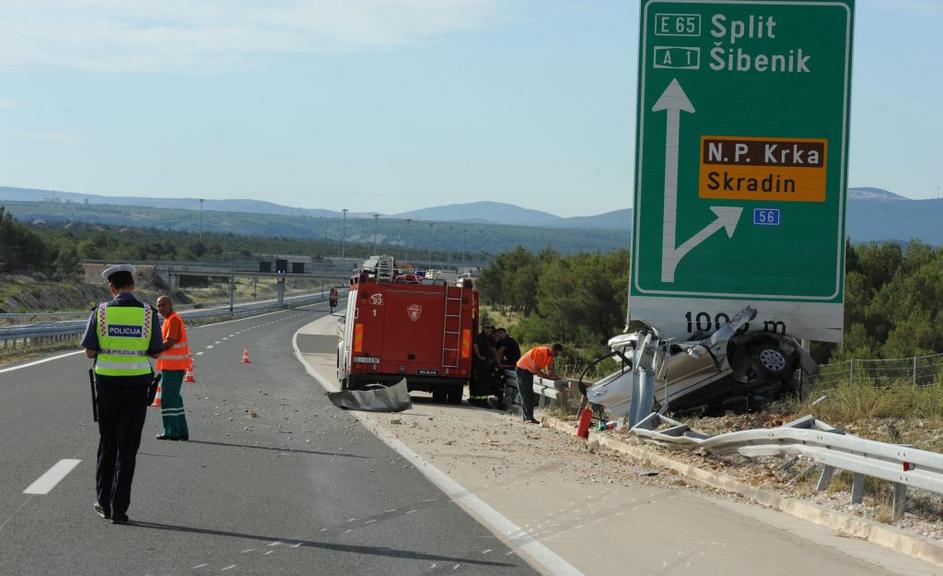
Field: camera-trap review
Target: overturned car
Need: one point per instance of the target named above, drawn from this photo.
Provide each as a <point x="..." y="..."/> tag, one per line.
<point x="728" y="370"/>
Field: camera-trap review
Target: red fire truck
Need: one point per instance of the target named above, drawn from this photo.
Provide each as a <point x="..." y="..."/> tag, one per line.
<point x="399" y="325"/>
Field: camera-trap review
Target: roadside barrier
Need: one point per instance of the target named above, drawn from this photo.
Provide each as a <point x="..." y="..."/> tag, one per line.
<point x="826" y="445"/>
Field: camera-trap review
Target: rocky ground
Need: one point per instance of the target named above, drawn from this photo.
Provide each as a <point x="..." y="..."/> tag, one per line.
<point x="489" y="449"/>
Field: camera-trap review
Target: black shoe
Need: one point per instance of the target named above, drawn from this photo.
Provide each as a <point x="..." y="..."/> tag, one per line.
<point x="183" y="438"/>
<point x="100" y="510"/>
<point x="120" y="519"/>
<point x="532" y="421"/>
<point x="164" y="437"/>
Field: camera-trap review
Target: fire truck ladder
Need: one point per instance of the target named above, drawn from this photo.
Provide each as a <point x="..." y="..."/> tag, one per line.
<point x="385" y="269"/>
<point x="452" y="338"/>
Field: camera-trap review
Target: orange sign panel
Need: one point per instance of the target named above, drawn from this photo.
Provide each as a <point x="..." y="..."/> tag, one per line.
<point x="767" y="169"/>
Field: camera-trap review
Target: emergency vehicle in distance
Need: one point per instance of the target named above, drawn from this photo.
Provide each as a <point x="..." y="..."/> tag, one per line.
<point x="399" y="325"/>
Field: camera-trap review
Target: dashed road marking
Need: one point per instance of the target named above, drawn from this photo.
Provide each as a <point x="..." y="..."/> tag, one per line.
<point x="209" y="346"/>
<point x="230" y="567"/>
<point x="200" y="353"/>
<point x="247" y="550"/>
<point x="53" y="476"/>
<point x="198" y="566"/>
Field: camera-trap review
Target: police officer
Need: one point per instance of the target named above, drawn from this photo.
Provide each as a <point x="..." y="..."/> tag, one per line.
<point x="120" y="336"/>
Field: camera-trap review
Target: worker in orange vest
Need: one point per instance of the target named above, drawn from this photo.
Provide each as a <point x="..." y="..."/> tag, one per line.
<point x="173" y="363"/>
<point x="536" y="361"/>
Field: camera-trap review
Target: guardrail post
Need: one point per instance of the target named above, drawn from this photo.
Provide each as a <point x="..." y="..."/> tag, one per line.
<point x="851" y="371"/>
<point x="857" y="488"/>
<point x="825" y="479"/>
<point x="915" y="371"/>
<point x="898" y="504"/>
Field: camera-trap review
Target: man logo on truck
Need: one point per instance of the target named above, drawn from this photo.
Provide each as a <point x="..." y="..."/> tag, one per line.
<point x="414" y="310"/>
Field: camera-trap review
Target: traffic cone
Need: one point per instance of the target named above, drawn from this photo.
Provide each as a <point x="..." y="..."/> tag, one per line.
<point x="156" y="402"/>
<point x="245" y="354"/>
<point x="188" y="376"/>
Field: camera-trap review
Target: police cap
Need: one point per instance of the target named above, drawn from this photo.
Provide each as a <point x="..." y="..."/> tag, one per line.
<point x="117" y="268"/>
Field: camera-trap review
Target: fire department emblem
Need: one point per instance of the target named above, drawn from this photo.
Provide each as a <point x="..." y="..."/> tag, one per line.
<point x="414" y="310"/>
<point x="376" y="299"/>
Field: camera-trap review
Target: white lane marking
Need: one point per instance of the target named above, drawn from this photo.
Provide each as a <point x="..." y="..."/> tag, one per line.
<point x="496" y="522"/>
<point x="348" y="531"/>
<point x="43" y="361"/>
<point x="486" y="550"/>
<point x="198" y="566"/>
<point x="209" y="346"/>
<point x="230" y="567"/>
<point x="269" y="552"/>
<point x="217" y="342"/>
<point x="371" y="521"/>
<point x="53" y="476"/>
<point x="275" y="543"/>
<point x="297" y="545"/>
<point x="200" y="353"/>
<point x="247" y="550"/>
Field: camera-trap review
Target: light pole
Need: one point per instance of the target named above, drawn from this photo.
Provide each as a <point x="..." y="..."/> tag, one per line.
<point x="464" y="235"/>
<point x="201" y="220"/>
<point x="431" y="239"/>
<point x="344" y="233"/>
<point x="450" y="252"/>
<point x="406" y="243"/>
<point x="376" y="232"/>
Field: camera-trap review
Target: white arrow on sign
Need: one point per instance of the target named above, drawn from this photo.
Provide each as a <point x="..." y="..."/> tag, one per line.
<point x="674" y="101"/>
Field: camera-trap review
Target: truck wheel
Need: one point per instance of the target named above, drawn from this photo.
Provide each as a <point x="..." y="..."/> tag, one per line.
<point x="455" y="394"/>
<point x="439" y="396"/>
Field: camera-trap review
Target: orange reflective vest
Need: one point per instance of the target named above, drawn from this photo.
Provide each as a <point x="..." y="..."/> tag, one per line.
<point x="536" y="360"/>
<point x="177" y="357"/>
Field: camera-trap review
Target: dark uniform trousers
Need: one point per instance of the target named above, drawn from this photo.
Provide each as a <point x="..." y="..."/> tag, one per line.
<point x="525" y="385"/>
<point x="122" y="409"/>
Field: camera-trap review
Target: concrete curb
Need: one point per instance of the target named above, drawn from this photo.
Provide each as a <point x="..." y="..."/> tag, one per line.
<point x="887" y="536"/>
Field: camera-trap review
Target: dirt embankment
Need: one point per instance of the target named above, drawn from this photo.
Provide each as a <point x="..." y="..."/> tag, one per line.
<point x="20" y="294"/>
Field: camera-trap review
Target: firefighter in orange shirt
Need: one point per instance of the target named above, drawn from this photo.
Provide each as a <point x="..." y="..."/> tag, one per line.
<point x="173" y="362"/>
<point x="536" y="361"/>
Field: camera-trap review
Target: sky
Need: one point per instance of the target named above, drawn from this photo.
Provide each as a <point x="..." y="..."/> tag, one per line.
<point x="392" y="105"/>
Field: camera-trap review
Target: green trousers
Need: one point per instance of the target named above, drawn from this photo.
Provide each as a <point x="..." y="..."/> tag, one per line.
<point x="171" y="405"/>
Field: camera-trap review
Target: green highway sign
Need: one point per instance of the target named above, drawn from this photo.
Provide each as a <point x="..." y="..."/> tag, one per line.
<point x="741" y="164"/>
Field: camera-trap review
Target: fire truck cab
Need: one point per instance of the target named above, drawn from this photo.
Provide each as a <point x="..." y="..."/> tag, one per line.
<point x="399" y="325"/>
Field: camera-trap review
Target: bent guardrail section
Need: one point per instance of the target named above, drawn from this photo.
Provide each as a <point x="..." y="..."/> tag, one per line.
<point x="904" y="466"/>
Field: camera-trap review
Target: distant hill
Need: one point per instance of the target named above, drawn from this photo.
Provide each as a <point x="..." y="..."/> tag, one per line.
<point x="874" y="214"/>
<point x="866" y="193"/>
<point x="491" y="212"/>
<point x="248" y="206"/>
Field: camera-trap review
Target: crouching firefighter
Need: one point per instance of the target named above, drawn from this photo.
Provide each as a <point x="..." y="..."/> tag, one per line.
<point x="121" y="335"/>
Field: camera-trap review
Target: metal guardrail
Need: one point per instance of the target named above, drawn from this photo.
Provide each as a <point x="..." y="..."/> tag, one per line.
<point x="904" y="466"/>
<point x="44" y="332"/>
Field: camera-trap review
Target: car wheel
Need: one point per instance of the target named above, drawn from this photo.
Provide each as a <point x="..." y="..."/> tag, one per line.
<point x="771" y="363"/>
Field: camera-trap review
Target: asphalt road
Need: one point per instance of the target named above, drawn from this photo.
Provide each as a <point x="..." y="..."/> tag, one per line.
<point x="275" y="480"/>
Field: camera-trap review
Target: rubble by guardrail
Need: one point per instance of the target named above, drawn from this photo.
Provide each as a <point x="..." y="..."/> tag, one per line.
<point x="828" y="446"/>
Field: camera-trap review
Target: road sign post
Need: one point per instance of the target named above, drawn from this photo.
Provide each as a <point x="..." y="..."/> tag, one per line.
<point x="741" y="165"/>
